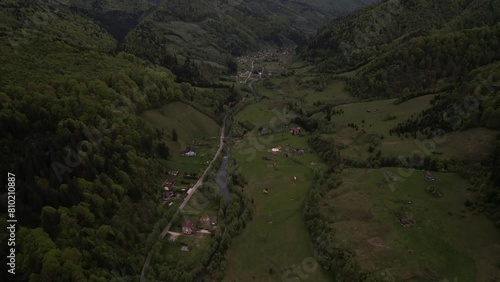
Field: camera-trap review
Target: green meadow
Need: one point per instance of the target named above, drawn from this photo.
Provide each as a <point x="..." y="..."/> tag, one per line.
<point x="443" y="241"/>
<point x="276" y="240"/>
<point x="194" y="130"/>
<point x="373" y="125"/>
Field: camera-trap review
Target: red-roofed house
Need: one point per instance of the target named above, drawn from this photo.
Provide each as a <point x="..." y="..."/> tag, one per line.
<point x="187" y="227"/>
<point x="168" y="184"/>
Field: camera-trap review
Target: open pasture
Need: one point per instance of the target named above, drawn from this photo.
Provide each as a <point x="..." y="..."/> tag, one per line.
<point x="276" y="240"/>
<point x="403" y="226"/>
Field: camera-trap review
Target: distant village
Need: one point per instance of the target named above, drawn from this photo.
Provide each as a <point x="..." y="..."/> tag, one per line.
<point x="279" y="56"/>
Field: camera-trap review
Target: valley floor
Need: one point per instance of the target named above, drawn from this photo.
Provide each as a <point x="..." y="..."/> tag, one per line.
<point x="275" y="246"/>
<point x="389" y="217"/>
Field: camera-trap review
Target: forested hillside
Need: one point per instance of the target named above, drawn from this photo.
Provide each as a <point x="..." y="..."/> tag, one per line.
<point x="118" y="17"/>
<point x="87" y="167"/>
<point x="424" y="46"/>
<point x="211" y="32"/>
<point x="405" y="49"/>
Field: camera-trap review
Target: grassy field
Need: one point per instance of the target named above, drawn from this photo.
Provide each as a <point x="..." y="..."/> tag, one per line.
<point x="277" y="223"/>
<point x="197" y="243"/>
<point x="445" y="241"/>
<point x="379" y="110"/>
<point x="194" y="129"/>
<point x="301" y="89"/>
<point x="276" y="239"/>
<point x="474" y="143"/>
<point x="334" y="92"/>
<point x="373" y="130"/>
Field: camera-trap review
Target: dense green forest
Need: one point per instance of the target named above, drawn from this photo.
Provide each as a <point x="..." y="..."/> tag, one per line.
<point x="87" y="167"/>
<point x="408" y="46"/>
<point x="208" y="33"/>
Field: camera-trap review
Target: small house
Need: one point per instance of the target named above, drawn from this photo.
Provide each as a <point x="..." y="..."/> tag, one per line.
<point x="188" y="227"/>
<point x="168" y="184"/>
<point x="173" y="173"/>
<point x="167" y="195"/>
<point x="213" y="220"/>
<point x="264" y="131"/>
<point x="295" y="130"/>
<point x="428" y="175"/>
<point x="244" y="74"/>
<point x="189" y="152"/>
<point x="276" y="150"/>
<point x="404" y="221"/>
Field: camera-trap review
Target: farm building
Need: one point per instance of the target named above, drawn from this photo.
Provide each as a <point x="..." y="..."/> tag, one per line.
<point x="264" y="131"/>
<point x="213" y="220"/>
<point x="429" y="177"/>
<point x="188" y="227"/>
<point x="275" y="150"/>
<point x="295" y="130"/>
<point x="244" y="74"/>
<point x="167" y="195"/>
<point x="168" y="184"/>
<point x="189" y="152"/>
<point x="173" y="173"/>
<point x="404" y="221"/>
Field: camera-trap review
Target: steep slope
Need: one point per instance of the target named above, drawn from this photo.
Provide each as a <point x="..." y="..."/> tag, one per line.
<point x="420" y="45"/>
<point x="118" y="17"/>
<point x="368" y="30"/>
<point x="213" y="31"/>
<point x="405" y="49"/>
<point x="86" y="166"/>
